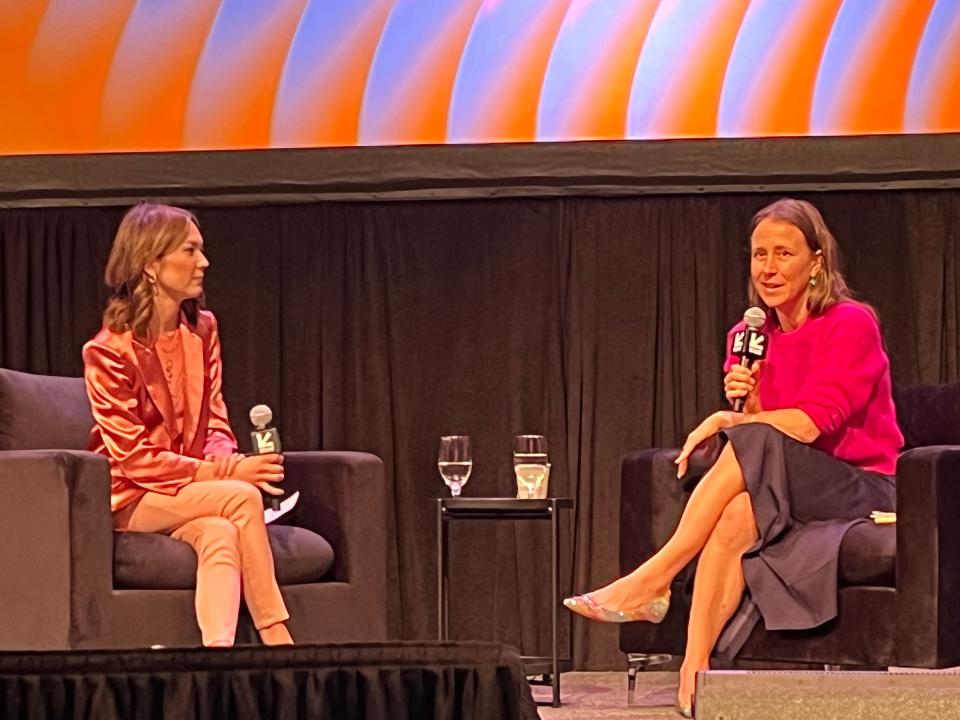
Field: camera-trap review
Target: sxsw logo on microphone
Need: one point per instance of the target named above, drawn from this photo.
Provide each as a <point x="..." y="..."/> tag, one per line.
<point x="265" y="441"/>
<point x="749" y="342"/>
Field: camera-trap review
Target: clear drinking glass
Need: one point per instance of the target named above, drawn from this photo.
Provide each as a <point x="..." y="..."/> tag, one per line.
<point x="530" y="463"/>
<point x="455" y="461"/>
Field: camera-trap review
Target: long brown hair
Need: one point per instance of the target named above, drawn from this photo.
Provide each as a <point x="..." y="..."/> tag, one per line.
<point x="148" y="231"/>
<point x="830" y="286"/>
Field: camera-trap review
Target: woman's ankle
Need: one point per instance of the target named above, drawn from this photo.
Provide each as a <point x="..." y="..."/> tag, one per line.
<point x="688" y="679"/>
<point x="630" y="591"/>
<point x="276" y="634"/>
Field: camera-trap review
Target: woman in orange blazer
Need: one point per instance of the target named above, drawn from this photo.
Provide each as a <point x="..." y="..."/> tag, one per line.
<point x="153" y="376"/>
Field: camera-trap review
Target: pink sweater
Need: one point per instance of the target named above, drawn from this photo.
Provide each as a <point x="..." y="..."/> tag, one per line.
<point x="834" y="368"/>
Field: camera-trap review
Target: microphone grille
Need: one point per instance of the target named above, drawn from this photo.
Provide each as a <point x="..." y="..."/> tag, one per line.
<point x="755" y="317"/>
<point x="260" y="415"/>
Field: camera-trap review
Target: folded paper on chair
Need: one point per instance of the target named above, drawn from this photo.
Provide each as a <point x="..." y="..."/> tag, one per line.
<point x="286" y="505"/>
<point x="881" y="517"/>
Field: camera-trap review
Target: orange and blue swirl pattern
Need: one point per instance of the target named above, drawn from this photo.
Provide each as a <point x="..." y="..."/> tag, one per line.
<point x="146" y="75"/>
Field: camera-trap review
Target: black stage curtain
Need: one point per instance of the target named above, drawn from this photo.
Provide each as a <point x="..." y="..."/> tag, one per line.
<point x="599" y="322"/>
<point x="450" y="681"/>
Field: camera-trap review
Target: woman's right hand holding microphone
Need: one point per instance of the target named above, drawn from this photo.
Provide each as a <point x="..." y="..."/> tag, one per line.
<point x="741" y="382"/>
<point x="261" y="470"/>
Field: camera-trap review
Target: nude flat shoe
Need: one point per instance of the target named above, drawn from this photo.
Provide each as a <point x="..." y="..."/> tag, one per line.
<point x="653" y="611"/>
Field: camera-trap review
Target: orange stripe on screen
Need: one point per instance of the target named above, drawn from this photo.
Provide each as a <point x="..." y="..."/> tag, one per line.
<point x="146" y="93"/>
<point x="693" y="98"/>
<point x="66" y="73"/>
<point x="513" y="115"/>
<point x="783" y="98"/>
<point x="431" y="82"/>
<point x="601" y="112"/>
<point x="231" y="101"/>
<point x="332" y="115"/>
<point x="945" y="110"/>
<point x="18" y="28"/>
<point x="876" y="89"/>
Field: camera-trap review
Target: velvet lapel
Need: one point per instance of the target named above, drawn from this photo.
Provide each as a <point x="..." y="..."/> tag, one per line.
<point x="193" y="368"/>
<point x="148" y="364"/>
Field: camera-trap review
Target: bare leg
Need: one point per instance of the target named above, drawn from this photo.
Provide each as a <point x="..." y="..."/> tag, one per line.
<point x="718" y="588"/>
<point x="719" y="486"/>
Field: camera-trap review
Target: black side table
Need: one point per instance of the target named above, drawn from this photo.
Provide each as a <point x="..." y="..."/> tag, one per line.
<point x="507" y="509"/>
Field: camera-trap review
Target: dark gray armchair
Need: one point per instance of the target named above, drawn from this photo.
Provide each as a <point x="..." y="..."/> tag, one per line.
<point x="899" y="600"/>
<point x="67" y="580"/>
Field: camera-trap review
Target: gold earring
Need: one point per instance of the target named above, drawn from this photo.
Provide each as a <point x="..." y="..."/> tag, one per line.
<point x="152" y="282"/>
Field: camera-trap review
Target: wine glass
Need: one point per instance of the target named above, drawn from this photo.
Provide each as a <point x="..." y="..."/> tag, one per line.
<point x="455" y="462"/>
<point x="530" y="462"/>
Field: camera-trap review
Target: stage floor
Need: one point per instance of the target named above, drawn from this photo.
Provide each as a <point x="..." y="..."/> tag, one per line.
<point x="603" y="695"/>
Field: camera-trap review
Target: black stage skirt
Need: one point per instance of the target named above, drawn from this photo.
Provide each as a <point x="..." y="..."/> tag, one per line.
<point x="804" y="501"/>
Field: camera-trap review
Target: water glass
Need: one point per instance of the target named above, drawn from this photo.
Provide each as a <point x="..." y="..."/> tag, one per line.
<point x="455" y="462"/>
<point x="530" y="465"/>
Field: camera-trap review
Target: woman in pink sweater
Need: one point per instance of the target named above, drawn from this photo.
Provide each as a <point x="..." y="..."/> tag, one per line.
<point x="813" y="453"/>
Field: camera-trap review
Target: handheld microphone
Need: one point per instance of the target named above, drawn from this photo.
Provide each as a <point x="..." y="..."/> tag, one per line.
<point x="749" y="344"/>
<point x="265" y="439"/>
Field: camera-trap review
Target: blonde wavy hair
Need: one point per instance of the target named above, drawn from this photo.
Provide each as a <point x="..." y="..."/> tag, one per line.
<point x="147" y="232"/>
<point x="830" y="286"/>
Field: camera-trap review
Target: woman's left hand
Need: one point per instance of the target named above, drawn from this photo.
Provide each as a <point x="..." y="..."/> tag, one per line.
<point x="224" y="465"/>
<point x="708" y="428"/>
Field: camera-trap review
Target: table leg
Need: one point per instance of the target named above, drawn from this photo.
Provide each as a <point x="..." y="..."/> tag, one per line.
<point x="554" y="606"/>
<point x="442" y="608"/>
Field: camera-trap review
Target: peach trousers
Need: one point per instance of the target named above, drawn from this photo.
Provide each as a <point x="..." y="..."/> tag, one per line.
<point x="223" y="521"/>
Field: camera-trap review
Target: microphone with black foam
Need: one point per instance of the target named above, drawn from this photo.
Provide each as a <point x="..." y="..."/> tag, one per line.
<point x="265" y="439"/>
<point x="749" y="345"/>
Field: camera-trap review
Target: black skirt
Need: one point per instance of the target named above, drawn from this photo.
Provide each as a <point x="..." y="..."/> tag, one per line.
<point x="804" y="501"/>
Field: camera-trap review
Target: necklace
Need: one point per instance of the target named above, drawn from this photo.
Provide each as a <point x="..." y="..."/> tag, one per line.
<point x="168" y="344"/>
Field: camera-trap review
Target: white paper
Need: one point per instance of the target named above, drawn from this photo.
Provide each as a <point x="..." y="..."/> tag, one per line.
<point x="286" y="505"/>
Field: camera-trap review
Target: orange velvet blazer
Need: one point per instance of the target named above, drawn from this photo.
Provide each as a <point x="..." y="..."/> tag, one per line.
<point x="135" y="426"/>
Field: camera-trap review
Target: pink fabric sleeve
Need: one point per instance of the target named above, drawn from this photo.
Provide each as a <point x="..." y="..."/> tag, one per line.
<point x="220" y="439"/>
<point x="108" y="377"/>
<point x="844" y="375"/>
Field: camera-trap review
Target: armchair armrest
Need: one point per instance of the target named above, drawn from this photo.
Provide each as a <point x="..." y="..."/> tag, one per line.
<point x="343" y="496"/>
<point x="928" y="556"/>
<point x="652" y="497"/>
<point x="57" y="543"/>
<point x="651" y="502"/>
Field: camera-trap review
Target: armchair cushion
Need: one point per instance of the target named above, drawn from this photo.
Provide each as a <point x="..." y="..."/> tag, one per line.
<point x="868" y="555"/>
<point x="928" y="414"/>
<point x="40" y="412"/>
<point x="153" y="561"/>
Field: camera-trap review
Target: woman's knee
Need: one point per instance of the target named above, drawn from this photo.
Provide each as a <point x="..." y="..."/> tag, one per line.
<point x="737" y="527"/>
<point x="243" y="494"/>
<point x="726" y="464"/>
<point x="729" y="457"/>
<point x="213" y="535"/>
